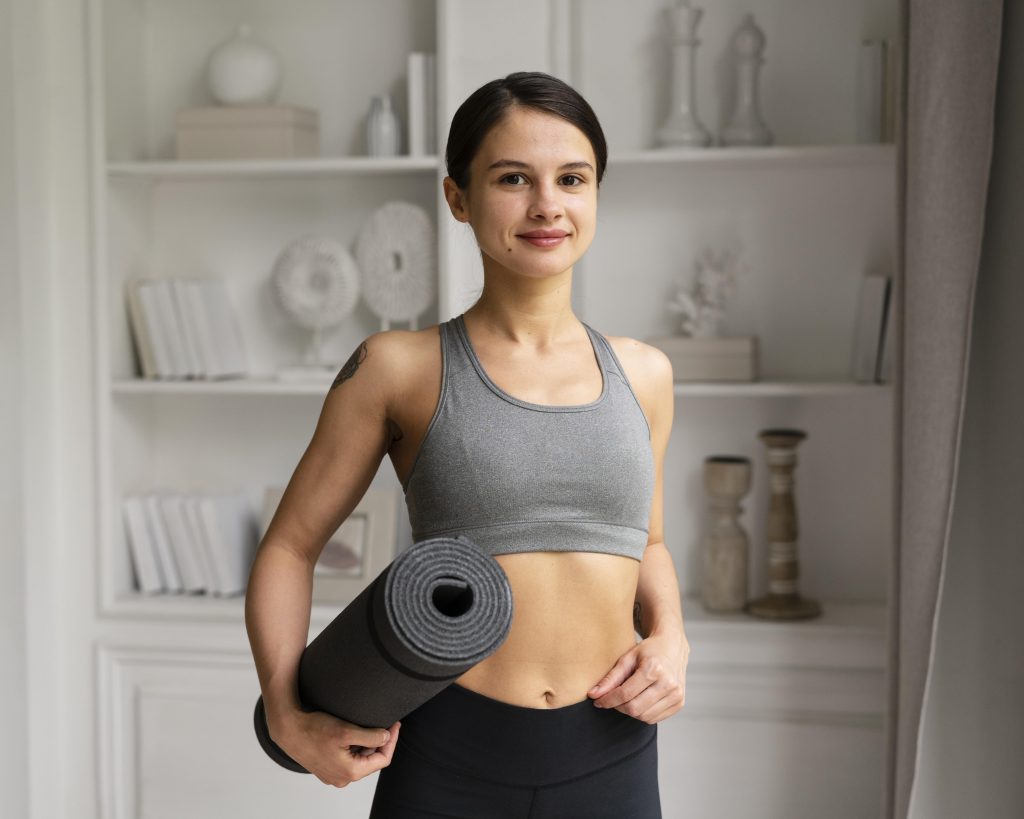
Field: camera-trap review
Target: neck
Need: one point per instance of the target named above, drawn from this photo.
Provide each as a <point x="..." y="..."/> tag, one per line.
<point x="525" y="309"/>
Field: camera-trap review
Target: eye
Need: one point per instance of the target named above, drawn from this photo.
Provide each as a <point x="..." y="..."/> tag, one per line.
<point x="579" y="179"/>
<point x="510" y="176"/>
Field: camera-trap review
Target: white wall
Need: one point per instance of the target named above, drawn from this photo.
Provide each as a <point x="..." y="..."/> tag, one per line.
<point x="13" y="698"/>
<point x="972" y="741"/>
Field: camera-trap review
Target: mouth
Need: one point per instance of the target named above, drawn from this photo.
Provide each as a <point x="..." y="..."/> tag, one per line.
<point x="544" y="238"/>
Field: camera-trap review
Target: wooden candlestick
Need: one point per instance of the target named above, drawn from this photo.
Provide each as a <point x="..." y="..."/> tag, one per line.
<point x="783" y="601"/>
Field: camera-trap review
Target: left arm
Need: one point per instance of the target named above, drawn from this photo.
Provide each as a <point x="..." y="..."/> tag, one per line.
<point x="649" y="681"/>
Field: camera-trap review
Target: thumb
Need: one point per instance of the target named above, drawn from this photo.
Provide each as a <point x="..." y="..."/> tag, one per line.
<point x="370" y="737"/>
<point x="616" y="676"/>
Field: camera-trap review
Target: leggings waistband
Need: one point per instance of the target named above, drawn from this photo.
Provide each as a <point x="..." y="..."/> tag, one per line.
<point x="515" y="745"/>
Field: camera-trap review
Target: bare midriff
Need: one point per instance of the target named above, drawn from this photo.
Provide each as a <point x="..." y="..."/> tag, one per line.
<point x="572" y="611"/>
<point x="572" y="619"/>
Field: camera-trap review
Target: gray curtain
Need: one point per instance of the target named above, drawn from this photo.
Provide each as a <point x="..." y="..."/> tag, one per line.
<point x="944" y="151"/>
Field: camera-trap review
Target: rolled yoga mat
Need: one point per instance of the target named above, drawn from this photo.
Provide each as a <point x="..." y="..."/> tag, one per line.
<point x="434" y="612"/>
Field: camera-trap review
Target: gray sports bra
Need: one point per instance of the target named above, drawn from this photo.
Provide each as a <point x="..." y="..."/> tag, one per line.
<point x="514" y="476"/>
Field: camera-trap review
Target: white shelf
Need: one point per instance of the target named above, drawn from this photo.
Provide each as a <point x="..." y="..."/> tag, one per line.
<point x="200" y="607"/>
<point x="840" y="620"/>
<point x="235" y="386"/>
<point x="771" y="156"/>
<point x="269" y="386"/>
<point x="780" y="388"/>
<point x="278" y="168"/>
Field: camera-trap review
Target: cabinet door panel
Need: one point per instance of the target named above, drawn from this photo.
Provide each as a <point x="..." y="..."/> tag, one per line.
<point x="180" y="742"/>
<point x="757" y="741"/>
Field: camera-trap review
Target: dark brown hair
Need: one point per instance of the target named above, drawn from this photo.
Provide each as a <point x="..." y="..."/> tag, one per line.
<point x="485" y="107"/>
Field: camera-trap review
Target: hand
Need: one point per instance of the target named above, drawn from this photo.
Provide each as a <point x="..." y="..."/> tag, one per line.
<point x="648" y="681"/>
<point x="335" y="751"/>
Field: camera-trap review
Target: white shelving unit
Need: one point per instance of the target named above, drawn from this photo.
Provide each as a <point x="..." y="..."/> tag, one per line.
<point x="813" y="212"/>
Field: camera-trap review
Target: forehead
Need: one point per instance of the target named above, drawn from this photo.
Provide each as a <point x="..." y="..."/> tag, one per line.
<point x="534" y="136"/>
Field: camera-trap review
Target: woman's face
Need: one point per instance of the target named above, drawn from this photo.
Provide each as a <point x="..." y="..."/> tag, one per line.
<point x="534" y="172"/>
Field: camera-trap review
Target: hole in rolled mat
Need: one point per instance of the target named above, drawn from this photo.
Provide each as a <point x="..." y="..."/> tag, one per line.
<point x="453" y="597"/>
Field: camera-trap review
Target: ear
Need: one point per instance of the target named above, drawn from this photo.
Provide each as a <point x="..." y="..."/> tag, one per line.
<point x="456" y="200"/>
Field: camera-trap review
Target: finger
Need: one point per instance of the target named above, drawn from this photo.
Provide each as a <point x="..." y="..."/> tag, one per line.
<point x="630" y="689"/>
<point x="659" y="710"/>
<point x="389" y="747"/>
<point x="625" y="666"/>
<point x="634" y="706"/>
<point x="377" y="758"/>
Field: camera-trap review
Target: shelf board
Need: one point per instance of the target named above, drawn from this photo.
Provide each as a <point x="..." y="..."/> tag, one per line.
<point x="770" y="155"/>
<point x="778" y="388"/>
<point x="267" y="385"/>
<point x="255" y="385"/>
<point x="200" y="607"/>
<point x="259" y="168"/>
<point x="839" y="619"/>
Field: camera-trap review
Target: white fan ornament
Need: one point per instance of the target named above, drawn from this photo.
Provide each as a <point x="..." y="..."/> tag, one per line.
<point x="395" y="251"/>
<point x="316" y="282"/>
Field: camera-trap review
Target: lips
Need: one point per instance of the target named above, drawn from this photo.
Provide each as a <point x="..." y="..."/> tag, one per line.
<point x="544" y="234"/>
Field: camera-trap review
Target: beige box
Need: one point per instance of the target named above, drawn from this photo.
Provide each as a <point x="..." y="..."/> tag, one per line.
<point x="727" y="358"/>
<point x="247" y="132"/>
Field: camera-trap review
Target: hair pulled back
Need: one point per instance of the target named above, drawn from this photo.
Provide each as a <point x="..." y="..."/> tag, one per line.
<point x="485" y="107"/>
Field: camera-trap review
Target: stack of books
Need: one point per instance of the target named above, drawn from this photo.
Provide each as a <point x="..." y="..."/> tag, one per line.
<point x="190" y="543"/>
<point x="185" y="328"/>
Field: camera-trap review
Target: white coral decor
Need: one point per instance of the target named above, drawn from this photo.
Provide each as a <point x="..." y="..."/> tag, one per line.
<point x="703" y="306"/>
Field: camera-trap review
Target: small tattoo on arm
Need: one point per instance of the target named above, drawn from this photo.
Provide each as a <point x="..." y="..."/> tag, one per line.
<point x="637" y="618"/>
<point x="350" y="366"/>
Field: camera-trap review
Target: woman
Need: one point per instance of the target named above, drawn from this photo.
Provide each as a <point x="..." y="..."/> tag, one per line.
<point x="499" y="425"/>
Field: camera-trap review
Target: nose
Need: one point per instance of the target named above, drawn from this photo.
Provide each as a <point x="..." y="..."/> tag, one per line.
<point x="546" y="204"/>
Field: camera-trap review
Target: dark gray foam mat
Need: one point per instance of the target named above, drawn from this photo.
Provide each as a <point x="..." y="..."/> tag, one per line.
<point x="434" y="612"/>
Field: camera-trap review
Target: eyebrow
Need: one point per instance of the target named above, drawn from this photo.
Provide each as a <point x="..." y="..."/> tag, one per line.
<point x="515" y="163"/>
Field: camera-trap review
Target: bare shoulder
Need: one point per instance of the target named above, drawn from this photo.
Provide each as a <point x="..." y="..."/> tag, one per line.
<point x="396" y="360"/>
<point x="648" y="369"/>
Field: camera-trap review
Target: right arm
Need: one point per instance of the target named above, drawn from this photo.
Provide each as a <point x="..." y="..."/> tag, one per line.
<point x="352" y="436"/>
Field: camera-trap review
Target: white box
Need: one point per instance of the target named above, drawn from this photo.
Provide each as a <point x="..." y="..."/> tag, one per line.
<point x="247" y="132"/>
<point x="727" y="358"/>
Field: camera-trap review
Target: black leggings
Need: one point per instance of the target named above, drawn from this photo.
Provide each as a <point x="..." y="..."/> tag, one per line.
<point x="467" y="756"/>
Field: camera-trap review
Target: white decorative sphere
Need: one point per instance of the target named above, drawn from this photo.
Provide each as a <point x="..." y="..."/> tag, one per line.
<point x="243" y="70"/>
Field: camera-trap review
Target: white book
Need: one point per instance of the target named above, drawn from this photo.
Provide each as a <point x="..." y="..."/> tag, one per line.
<point x="187" y="322"/>
<point x="868" y="327"/>
<point x="206" y="345"/>
<point x="223" y="322"/>
<point x="141" y="324"/>
<point x="231" y="538"/>
<point x="149" y="299"/>
<point x="170" y="323"/>
<point x="147" y="569"/>
<point x="430" y="103"/>
<point x="162" y="543"/>
<point x="416" y="90"/>
<point x="202" y="548"/>
<point x="178" y="529"/>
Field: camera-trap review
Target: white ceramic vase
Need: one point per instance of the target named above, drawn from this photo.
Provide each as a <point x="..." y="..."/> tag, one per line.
<point x="383" y="130"/>
<point x="243" y="70"/>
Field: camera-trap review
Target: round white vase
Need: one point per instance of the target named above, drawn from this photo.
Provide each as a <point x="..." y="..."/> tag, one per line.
<point x="243" y="70"/>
